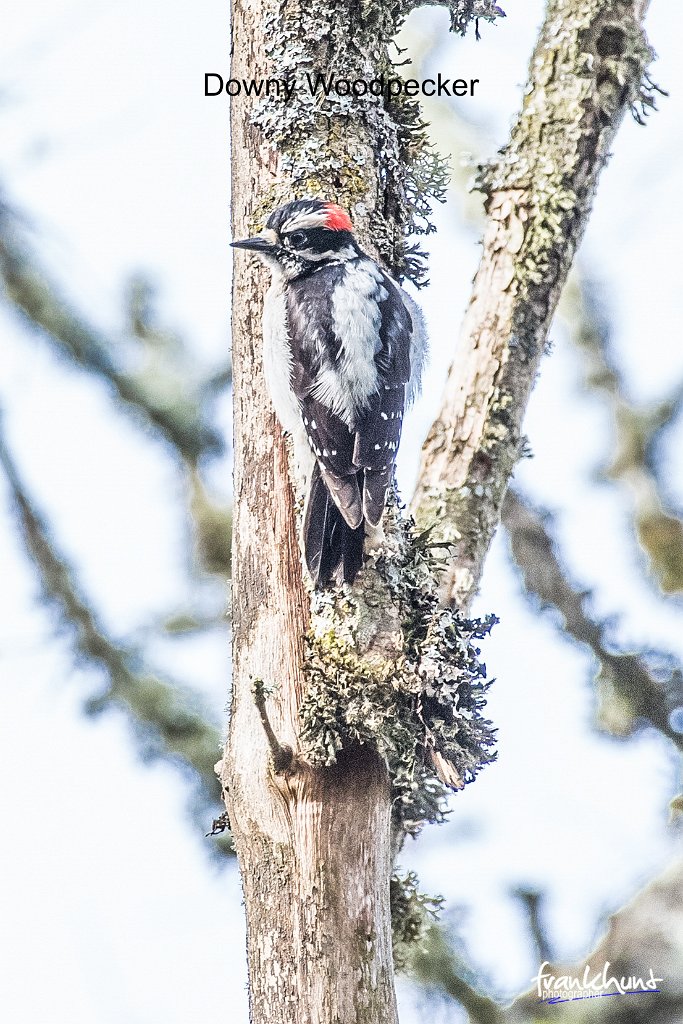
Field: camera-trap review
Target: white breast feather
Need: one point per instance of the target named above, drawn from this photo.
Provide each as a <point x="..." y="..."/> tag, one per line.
<point x="277" y="358"/>
<point x="419" y="347"/>
<point x="345" y="387"/>
<point x="277" y="368"/>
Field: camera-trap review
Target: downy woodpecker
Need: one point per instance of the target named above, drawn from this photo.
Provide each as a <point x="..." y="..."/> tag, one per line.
<point x="343" y="351"/>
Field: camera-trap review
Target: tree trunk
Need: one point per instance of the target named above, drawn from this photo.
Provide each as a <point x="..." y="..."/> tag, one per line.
<point x="313" y="841"/>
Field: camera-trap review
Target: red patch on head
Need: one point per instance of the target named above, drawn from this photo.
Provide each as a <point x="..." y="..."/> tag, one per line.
<point x="337" y="219"/>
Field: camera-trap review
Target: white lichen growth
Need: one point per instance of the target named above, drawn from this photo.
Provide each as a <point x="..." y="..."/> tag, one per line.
<point x="387" y="666"/>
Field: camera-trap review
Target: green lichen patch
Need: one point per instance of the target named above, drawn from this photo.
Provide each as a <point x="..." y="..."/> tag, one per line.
<point x="412" y="914"/>
<point x="388" y="667"/>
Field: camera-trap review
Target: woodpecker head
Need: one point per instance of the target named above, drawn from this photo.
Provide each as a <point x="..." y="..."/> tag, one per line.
<point x="303" y="235"/>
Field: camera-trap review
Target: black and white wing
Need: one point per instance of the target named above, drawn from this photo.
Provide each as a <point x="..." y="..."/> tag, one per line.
<point x="319" y="382"/>
<point x="350" y="335"/>
<point x="378" y="430"/>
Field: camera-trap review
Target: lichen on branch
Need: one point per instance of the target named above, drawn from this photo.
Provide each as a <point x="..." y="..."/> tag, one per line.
<point x="408" y="682"/>
<point x="412" y="914"/>
<point x="589" y="67"/>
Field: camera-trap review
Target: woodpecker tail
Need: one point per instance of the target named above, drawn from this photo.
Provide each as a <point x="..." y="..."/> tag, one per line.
<point x="333" y="549"/>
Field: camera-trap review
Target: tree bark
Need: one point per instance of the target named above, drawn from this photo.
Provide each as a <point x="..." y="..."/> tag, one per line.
<point x="588" y="68"/>
<point x="314" y="842"/>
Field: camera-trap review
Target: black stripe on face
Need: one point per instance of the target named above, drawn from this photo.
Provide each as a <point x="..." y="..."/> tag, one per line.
<point x="316" y="240"/>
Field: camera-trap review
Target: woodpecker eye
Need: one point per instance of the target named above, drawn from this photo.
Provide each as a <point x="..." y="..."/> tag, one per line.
<point x="297" y="239"/>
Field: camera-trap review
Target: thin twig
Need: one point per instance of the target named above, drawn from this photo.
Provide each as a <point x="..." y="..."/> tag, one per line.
<point x="532" y="903"/>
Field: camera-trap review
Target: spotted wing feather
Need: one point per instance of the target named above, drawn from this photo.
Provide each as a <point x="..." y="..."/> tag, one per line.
<point x="379" y="432"/>
<point x="315" y="349"/>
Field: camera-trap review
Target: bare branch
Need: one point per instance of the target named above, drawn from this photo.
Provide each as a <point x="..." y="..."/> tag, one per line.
<point x="586" y="72"/>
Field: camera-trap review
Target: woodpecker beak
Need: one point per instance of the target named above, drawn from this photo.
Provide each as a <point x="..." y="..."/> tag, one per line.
<point x="259" y="243"/>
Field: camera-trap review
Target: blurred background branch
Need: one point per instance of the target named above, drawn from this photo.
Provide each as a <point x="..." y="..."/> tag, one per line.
<point x="170" y="722"/>
<point x="632" y="692"/>
<point x="161" y="393"/>
<point x="639" y="433"/>
<point x="647" y="933"/>
<point x="445" y="975"/>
